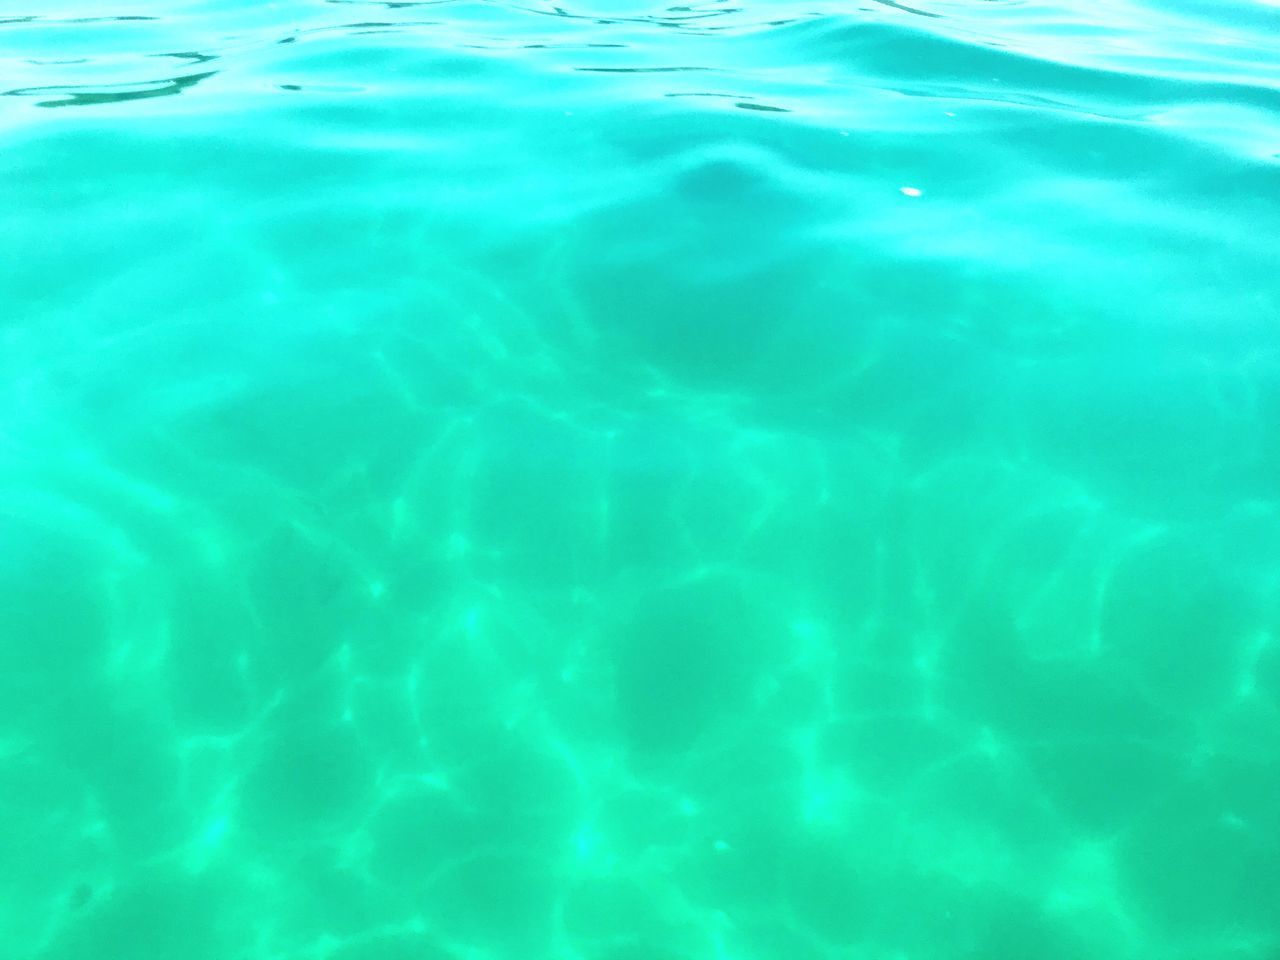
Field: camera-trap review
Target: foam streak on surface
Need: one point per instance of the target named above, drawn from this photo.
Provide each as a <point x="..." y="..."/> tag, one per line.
<point x="600" y="481"/>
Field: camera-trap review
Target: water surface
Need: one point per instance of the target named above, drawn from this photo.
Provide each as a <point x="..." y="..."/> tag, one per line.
<point x="612" y="482"/>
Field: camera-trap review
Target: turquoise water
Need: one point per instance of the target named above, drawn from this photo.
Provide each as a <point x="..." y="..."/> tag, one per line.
<point x="607" y="482"/>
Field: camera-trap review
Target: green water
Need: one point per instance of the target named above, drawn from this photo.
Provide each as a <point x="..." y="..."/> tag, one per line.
<point x="504" y="481"/>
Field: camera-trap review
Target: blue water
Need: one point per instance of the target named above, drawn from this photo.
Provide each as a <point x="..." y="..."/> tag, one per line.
<point x="605" y="482"/>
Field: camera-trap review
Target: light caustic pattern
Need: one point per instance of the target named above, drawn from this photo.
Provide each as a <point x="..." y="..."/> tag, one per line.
<point x="487" y="481"/>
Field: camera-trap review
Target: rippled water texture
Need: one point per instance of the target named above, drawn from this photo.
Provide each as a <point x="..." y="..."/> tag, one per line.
<point x="504" y="481"/>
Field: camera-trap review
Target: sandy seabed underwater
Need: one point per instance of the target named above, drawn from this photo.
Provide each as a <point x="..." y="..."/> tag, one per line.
<point x="508" y="481"/>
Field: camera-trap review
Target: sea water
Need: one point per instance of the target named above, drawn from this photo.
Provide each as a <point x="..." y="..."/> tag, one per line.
<point x="605" y="481"/>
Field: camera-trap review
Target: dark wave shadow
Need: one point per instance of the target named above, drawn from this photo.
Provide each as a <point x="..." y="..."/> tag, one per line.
<point x="85" y="95"/>
<point x="190" y="55"/>
<point x="32" y="18"/>
<point x="906" y="9"/>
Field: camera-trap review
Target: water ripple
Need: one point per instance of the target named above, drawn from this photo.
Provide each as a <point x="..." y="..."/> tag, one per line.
<point x="1124" y="60"/>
